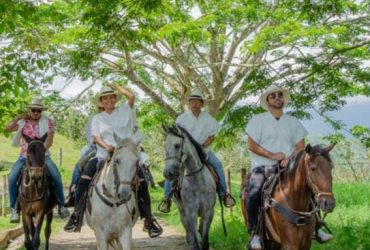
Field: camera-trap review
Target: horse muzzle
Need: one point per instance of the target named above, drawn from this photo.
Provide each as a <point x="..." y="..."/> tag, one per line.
<point x="327" y="204"/>
<point x="170" y="174"/>
<point x="124" y="193"/>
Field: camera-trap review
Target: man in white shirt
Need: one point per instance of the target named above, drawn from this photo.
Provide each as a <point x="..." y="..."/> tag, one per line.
<point x="273" y="138"/>
<point x="202" y="127"/>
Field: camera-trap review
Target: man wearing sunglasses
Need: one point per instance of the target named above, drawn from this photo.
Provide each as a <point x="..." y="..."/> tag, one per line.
<point x="273" y="138"/>
<point x="33" y="124"/>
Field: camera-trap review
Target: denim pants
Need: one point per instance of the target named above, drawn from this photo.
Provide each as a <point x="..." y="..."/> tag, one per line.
<point x="217" y="166"/>
<point x="77" y="171"/>
<point x="16" y="171"/>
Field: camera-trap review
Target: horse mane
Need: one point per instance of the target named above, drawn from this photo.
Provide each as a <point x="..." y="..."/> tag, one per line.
<point x="202" y="155"/>
<point x="131" y="145"/>
<point x="316" y="151"/>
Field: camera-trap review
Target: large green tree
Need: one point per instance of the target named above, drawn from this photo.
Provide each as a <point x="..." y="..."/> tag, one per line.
<point x="230" y="50"/>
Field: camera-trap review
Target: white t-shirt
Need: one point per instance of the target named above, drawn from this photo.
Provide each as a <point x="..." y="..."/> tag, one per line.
<point x="200" y="127"/>
<point x="274" y="135"/>
<point x="119" y="122"/>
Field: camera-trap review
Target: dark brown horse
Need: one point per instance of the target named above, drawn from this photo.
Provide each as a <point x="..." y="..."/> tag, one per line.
<point x="36" y="197"/>
<point x="310" y="175"/>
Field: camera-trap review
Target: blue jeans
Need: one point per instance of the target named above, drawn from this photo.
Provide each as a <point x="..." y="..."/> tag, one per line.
<point x="217" y="166"/>
<point x="16" y="171"/>
<point x="77" y="171"/>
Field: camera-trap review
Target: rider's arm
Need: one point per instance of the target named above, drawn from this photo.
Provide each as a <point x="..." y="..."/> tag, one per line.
<point x="101" y="143"/>
<point x="257" y="149"/>
<point x="129" y="95"/>
<point x="209" y="141"/>
<point x="12" y="126"/>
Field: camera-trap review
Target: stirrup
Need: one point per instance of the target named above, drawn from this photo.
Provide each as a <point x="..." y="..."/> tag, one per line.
<point x="168" y="202"/>
<point x="160" y="229"/>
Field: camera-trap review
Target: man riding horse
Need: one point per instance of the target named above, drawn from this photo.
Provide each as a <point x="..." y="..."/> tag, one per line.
<point x="202" y="127"/>
<point x="33" y="124"/>
<point x="273" y="138"/>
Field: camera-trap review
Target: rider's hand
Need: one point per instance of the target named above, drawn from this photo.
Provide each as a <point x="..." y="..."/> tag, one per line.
<point x="112" y="86"/>
<point x="110" y="148"/>
<point x="284" y="163"/>
<point x="278" y="156"/>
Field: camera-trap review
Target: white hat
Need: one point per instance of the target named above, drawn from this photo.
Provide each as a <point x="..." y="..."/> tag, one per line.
<point x="36" y="103"/>
<point x="271" y="89"/>
<point x="104" y="91"/>
<point x="196" y="94"/>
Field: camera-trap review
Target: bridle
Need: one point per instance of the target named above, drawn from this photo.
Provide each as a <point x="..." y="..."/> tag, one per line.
<point x="38" y="184"/>
<point x="117" y="181"/>
<point x="318" y="193"/>
<point x="180" y="158"/>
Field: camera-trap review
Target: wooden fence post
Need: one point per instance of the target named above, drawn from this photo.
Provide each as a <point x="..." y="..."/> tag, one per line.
<point x="3" y="197"/>
<point x="60" y="155"/>
<point x="228" y="182"/>
<point x="243" y="172"/>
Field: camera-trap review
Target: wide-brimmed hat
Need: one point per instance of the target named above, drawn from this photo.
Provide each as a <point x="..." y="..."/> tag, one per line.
<point x="271" y="89"/>
<point x="196" y="94"/>
<point x="36" y="103"/>
<point x="104" y="91"/>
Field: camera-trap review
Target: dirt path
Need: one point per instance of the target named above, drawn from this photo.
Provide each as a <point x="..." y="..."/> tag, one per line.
<point x="171" y="239"/>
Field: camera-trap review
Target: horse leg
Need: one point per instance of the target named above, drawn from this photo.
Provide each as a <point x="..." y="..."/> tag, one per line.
<point x="191" y="231"/>
<point x="101" y="240"/>
<point x="49" y="219"/>
<point x="27" y="228"/>
<point x="204" y="229"/>
<point x="36" y="239"/>
<point x="125" y="238"/>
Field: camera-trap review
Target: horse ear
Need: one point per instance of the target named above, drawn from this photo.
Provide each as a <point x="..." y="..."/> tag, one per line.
<point x="309" y="149"/>
<point x="166" y="128"/>
<point x="27" y="138"/>
<point x="330" y="147"/>
<point x="44" y="137"/>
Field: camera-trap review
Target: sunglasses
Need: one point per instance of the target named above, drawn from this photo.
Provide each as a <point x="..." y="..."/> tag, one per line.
<point x="276" y="95"/>
<point x="36" y="110"/>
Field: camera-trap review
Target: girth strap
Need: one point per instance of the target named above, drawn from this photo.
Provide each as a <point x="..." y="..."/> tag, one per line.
<point x="298" y="220"/>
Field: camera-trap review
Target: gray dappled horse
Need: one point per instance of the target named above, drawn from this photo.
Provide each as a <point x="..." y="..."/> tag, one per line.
<point x="185" y="161"/>
<point x="114" y="209"/>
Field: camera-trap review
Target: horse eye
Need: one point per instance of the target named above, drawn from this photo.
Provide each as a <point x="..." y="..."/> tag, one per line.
<point x="177" y="146"/>
<point x="313" y="169"/>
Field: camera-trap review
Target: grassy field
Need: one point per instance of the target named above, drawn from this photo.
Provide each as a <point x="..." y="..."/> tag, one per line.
<point x="350" y="220"/>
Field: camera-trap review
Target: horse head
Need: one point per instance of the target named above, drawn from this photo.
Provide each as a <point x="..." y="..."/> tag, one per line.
<point x="124" y="167"/>
<point x="36" y="157"/>
<point x="319" y="174"/>
<point x="176" y="152"/>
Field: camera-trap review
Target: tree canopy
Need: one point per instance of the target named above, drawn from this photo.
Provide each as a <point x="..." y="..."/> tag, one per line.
<point x="230" y="50"/>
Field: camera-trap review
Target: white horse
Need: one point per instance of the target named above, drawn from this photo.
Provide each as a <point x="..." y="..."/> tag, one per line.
<point x="114" y="207"/>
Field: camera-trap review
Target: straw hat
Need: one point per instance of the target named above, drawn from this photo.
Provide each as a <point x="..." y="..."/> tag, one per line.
<point x="104" y="91"/>
<point x="271" y="89"/>
<point x="37" y="104"/>
<point x="197" y="95"/>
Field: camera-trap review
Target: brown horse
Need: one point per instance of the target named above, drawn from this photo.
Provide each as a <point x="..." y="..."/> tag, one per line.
<point x="310" y="175"/>
<point x="36" y="197"/>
